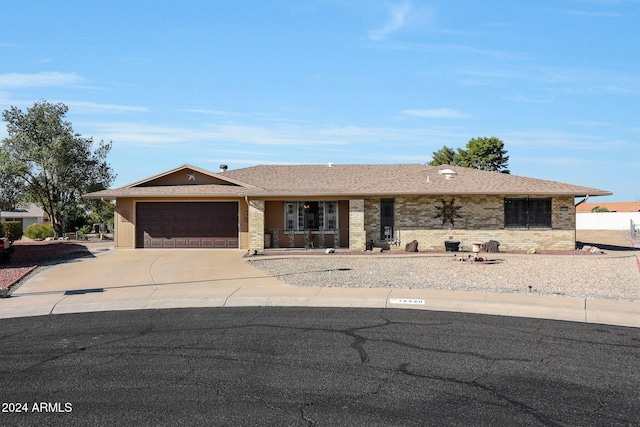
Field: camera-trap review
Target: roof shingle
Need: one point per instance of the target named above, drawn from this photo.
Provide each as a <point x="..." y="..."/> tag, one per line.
<point x="355" y="180"/>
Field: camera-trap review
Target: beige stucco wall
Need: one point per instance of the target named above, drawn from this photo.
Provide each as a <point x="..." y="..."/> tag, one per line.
<point x="482" y="220"/>
<point x="124" y="224"/>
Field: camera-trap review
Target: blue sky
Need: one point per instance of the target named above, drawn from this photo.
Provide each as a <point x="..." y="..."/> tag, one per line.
<point x="276" y="82"/>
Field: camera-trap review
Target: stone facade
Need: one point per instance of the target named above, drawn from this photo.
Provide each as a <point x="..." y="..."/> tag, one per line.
<point x="256" y="225"/>
<point x="482" y="219"/>
<point x="357" y="233"/>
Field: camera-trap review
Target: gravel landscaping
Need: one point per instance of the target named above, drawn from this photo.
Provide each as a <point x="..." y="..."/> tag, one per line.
<point x="613" y="276"/>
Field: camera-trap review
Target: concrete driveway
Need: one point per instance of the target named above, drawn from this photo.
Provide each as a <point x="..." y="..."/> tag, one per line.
<point x="131" y="279"/>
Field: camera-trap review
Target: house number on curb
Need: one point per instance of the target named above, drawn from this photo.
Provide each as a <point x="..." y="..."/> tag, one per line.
<point x="406" y="301"/>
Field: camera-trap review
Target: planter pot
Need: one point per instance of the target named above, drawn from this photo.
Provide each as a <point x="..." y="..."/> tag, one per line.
<point x="451" y="245"/>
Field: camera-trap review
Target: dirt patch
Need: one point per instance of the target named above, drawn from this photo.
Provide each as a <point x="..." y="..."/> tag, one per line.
<point x="608" y="240"/>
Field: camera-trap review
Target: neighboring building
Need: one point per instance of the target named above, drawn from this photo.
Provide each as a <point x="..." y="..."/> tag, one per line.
<point x="343" y="206"/>
<point x="611" y="206"/>
<point x="621" y="216"/>
<point x="27" y="216"/>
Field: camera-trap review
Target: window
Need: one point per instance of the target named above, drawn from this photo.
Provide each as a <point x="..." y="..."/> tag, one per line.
<point x="527" y="213"/>
<point x="311" y="215"/>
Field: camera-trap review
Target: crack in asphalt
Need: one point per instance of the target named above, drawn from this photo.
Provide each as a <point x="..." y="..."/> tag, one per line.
<point x="404" y="369"/>
<point x="360" y="341"/>
<point x="310" y="421"/>
<point x="379" y="379"/>
<point x="601" y="329"/>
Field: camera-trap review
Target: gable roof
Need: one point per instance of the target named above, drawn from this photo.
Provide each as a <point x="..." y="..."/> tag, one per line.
<point x="184" y="180"/>
<point x="185" y="172"/>
<point x="344" y="180"/>
<point x="612" y="206"/>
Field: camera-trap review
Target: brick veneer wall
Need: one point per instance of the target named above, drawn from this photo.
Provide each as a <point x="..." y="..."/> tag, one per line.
<point x="482" y="220"/>
<point x="256" y="225"/>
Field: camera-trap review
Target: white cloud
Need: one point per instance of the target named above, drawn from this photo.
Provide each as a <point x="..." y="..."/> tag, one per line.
<point x="401" y="16"/>
<point x="250" y="135"/>
<point x="563" y="140"/>
<point x="78" y="107"/>
<point x="531" y="99"/>
<point x="395" y="22"/>
<point x="554" y="161"/>
<point x="440" y="113"/>
<point x="594" y="14"/>
<point x="19" y="80"/>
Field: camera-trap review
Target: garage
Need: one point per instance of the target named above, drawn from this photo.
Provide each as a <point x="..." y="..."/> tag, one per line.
<point x="187" y="225"/>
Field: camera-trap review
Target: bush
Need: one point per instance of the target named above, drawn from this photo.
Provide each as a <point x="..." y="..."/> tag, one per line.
<point x="1" y="229"/>
<point x="39" y="231"/>
<point x="13" y="230"/>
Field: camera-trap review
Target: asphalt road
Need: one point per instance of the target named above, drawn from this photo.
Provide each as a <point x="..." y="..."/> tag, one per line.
<point x="302" y="366"/>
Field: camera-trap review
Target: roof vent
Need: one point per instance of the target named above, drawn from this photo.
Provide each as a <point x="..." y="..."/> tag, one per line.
<point x="223" y="168"/>
<point x="330" y="164"/>
<point x="448" y="173"/>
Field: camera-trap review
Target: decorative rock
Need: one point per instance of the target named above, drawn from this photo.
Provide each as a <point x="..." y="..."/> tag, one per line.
<point x="595" y="250"/>
<point x="329" y="251"/>
<point x="377" y="250"/>
<point x="532" y="251"/>
<point x="491" y="246"/>
<point x="411" y="246"/>
<point x="587" y="248"/>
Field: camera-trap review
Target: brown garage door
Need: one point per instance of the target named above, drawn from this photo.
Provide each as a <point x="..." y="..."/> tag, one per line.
<point x="187" y="225"/>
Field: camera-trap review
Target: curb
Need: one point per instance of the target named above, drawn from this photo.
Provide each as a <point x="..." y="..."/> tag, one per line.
<point x="618" y="313"/>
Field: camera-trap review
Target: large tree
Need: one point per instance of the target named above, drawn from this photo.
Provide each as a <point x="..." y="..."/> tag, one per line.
<point x="55" y="164"/>
<point x="12" y="191"/>
<point x="444" y="156"/>
<point x="485" y="154"/>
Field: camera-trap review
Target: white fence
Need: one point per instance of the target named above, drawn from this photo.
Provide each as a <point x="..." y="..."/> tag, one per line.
<point x="606" y="220"/>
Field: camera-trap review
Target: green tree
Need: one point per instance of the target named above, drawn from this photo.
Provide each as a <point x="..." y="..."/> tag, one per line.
<point x="55" y="164"/>
<point x="444" y="156"/>
<point x="599" y="209"/>
<point x="12" y="190"/>
<point x="485" y="154"/>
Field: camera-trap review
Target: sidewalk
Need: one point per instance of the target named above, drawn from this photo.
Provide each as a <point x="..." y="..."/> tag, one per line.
<point x="151" y="279"/>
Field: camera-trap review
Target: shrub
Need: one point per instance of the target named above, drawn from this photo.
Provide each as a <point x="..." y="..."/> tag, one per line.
<point x="39" y="231"/>
<point x="13" y="230"/>
<point x="1" y="229"/>
<point x="84" y="230"/>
